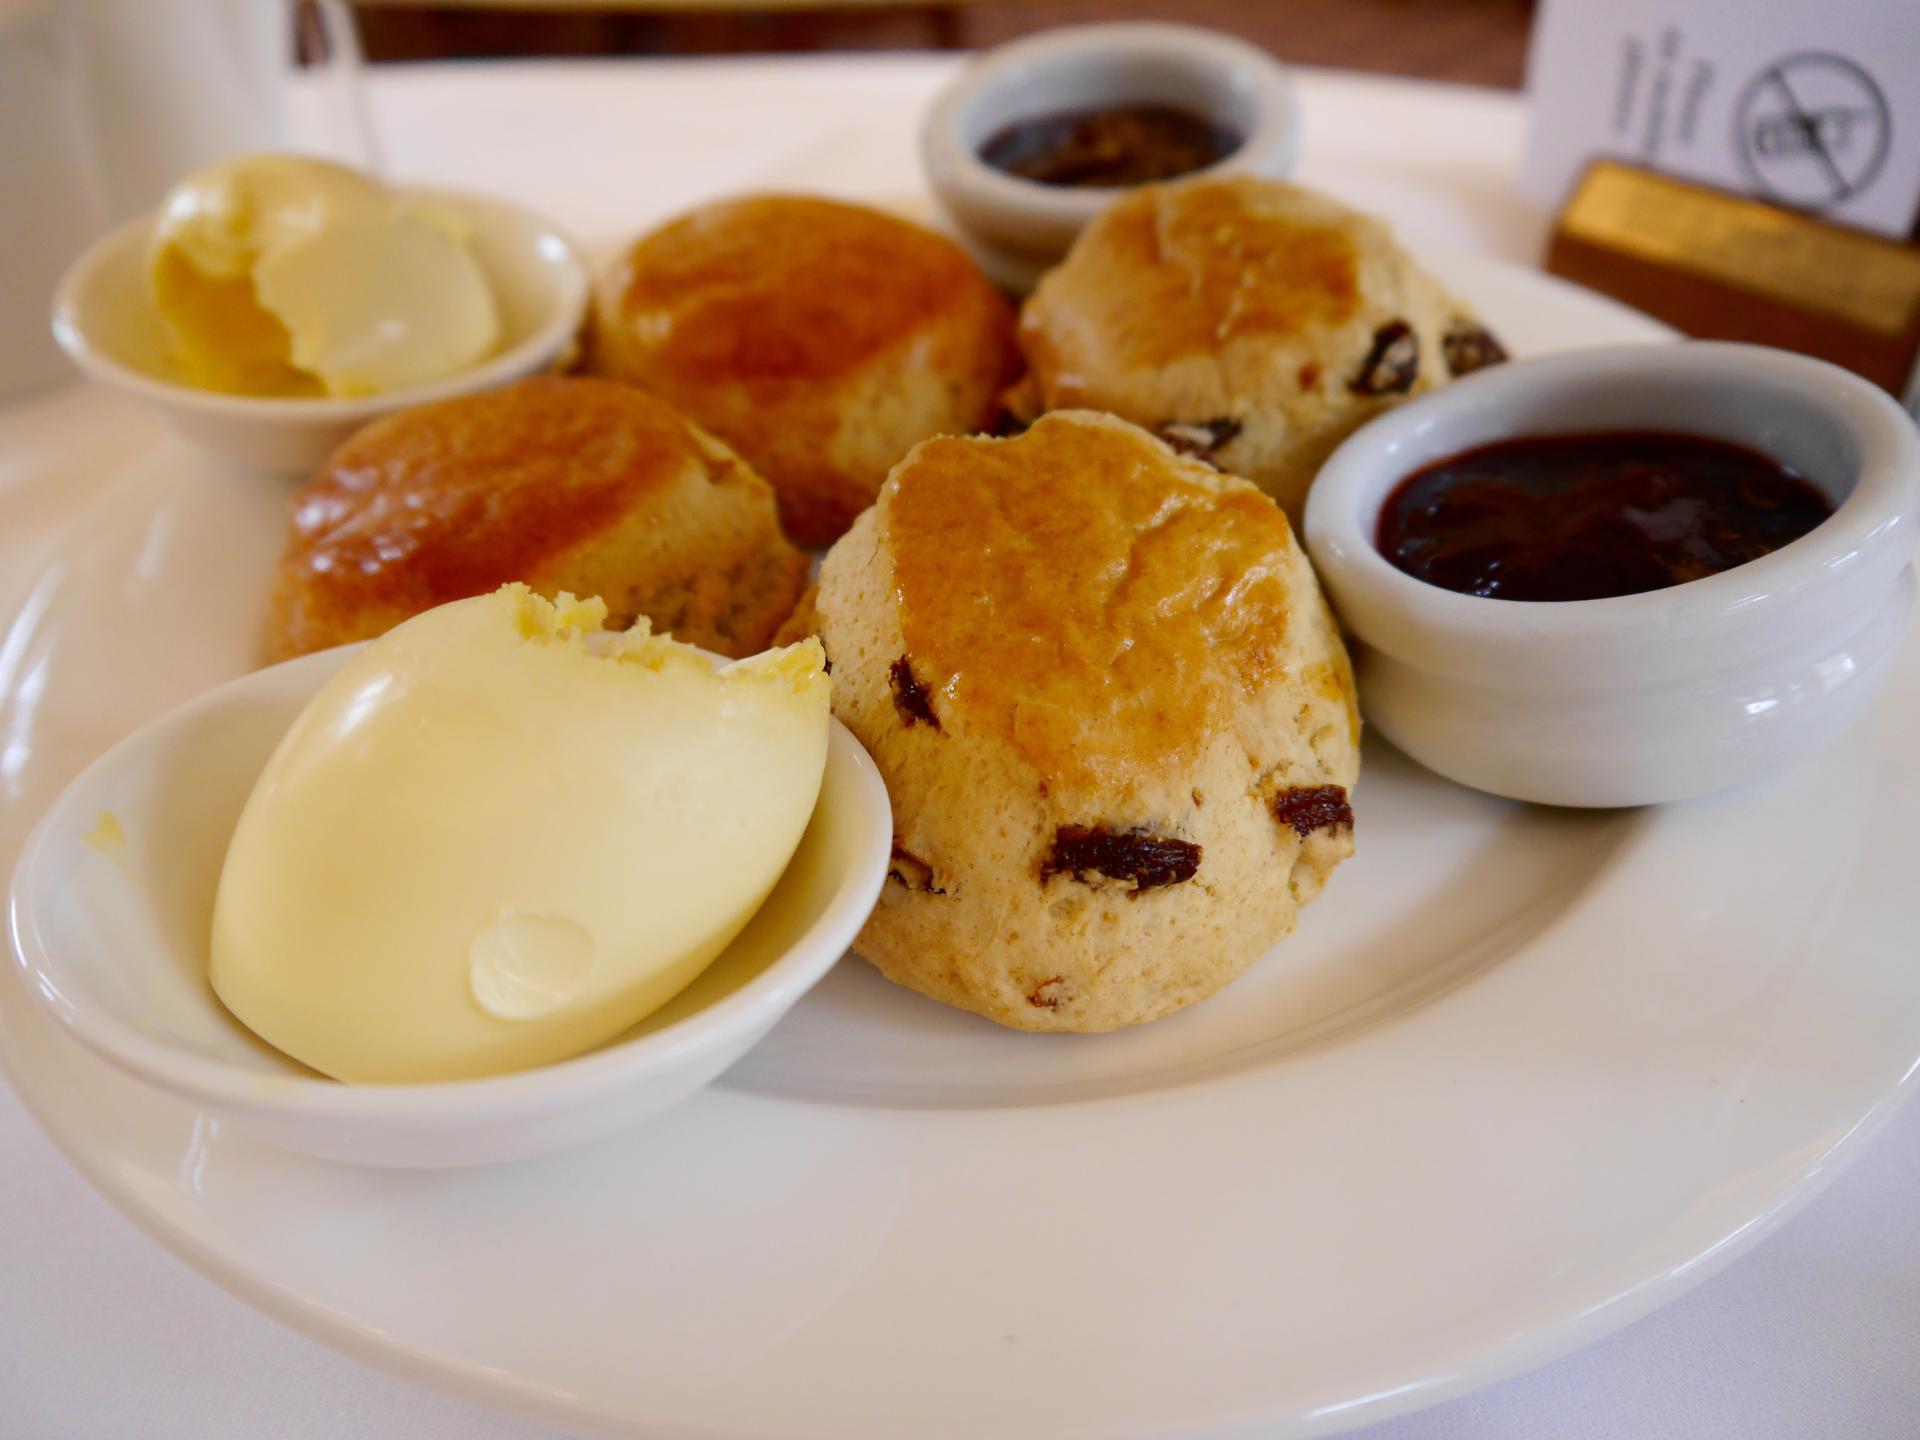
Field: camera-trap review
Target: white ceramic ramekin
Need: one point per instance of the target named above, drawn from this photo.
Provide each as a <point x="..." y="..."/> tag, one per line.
<point x="1017" y="228"/>
<point x="1641" y="698"/>
<point x="110" y="926"/>
<point x="106" y="323"/>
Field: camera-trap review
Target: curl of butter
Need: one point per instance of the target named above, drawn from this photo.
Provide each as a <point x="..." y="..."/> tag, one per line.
<point x="285" y="275"/>
<point x="501" y="836"/>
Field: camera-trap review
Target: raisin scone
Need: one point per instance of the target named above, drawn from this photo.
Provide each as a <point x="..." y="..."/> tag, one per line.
<point x="1248" y="322"/>
<point x="578" y="485"/>
<point x="1113" y="713"/>
<point x="820" y="340"/>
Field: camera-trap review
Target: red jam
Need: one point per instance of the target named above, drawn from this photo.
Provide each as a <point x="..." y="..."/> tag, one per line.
<point x="1585" y="517"/>
<point x="1118" y="145"/>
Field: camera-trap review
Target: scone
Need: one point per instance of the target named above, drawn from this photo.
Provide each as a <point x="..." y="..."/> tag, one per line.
<point x="1248" y="322"/>
<point x="578" y="485"/>
<point x="803" y="621"/>
<point x="1113" y="713"/>
<point x="822" y="341"/>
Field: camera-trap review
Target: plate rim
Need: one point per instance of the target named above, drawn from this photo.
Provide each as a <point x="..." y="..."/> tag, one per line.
<point x="485" y="1386"/>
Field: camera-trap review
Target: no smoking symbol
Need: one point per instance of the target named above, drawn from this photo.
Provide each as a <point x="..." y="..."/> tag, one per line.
<point x="1812" y="130"/>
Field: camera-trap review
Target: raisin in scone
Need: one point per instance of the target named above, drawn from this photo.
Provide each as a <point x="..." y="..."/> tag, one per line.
<point x="1113" y="714"/>
<point x="1249" y="322"/>
<point x="820" y="340"/>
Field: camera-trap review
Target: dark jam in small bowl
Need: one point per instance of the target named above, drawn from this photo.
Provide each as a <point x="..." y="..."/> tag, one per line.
<point x="1588" y="517"/>
<point x="1109" y="147"/>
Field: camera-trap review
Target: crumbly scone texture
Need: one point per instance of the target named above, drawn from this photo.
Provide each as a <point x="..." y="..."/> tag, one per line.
<point x="1249" y="322"/>
<point x="821" y="340"/>
<point x="565" y="484"/>
<point x="1113" y="713"/>
<point x="804" y="621"/>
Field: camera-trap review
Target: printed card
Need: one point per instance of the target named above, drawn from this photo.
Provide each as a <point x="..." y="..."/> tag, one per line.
<point x="1814" y="107"/>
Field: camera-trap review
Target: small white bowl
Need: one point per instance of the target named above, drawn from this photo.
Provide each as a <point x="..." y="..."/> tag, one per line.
<point x="111" y="935"/>
<point x="1018" y="228"/>
<point x="104" y="319"/>
<point x="1640" y="698"/>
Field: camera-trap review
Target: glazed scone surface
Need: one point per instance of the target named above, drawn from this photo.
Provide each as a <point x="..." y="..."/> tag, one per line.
<point x="1094" y="610"/>
<point x="821" y="340"/>
<point x="1248" y="321"/>
<point x="579" y="485"/>
<point x="1114" y="717"/>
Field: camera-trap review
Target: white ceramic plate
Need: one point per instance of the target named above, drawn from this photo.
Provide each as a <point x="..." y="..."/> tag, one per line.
<point x="1566" y="1064"/>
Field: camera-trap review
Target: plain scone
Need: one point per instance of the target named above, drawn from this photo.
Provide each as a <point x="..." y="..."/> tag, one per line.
<point x="1113" y="713"/>
<point x="821" y="340"/>
<point x="579" y="485"/>
<point x="1249" y="322"/>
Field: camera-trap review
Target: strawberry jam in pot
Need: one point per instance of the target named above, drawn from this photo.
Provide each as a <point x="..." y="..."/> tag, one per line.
<point x="1587" y="517"/>
<point x="1110" y="147"/>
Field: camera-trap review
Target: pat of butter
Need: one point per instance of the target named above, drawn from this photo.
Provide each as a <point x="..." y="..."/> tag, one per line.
<point x="284" y="275"/>
<point x="489" y="844"/>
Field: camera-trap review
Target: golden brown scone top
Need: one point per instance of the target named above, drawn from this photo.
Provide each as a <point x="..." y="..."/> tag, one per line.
<point x="1100" y="602"/>
<point x="1171" y="271"/>
<point x="784" y="289"/>
<point x="459" y="497"/>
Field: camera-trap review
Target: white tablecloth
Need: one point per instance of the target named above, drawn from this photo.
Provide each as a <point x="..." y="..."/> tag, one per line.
<point x="1816" y="1336"/>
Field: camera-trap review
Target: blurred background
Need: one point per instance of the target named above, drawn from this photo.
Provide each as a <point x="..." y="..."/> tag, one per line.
<point x="1476" y="42"/>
